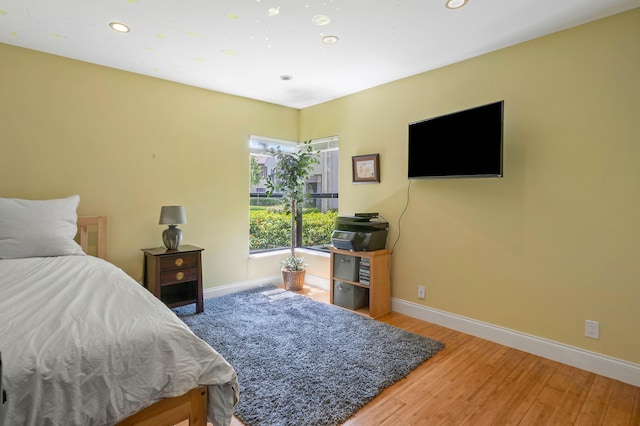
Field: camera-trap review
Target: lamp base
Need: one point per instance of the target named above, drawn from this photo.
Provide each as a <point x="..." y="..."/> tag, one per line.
<point x="172" y="237"/>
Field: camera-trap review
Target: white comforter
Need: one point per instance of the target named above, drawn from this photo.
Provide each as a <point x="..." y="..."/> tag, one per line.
<point x="84" y="344"/>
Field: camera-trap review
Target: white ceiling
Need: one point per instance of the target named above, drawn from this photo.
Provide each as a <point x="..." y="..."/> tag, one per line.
<point x="242" y="47"/>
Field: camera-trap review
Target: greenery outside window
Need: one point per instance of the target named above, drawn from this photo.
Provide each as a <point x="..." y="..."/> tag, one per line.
<point x="270" y="221"/>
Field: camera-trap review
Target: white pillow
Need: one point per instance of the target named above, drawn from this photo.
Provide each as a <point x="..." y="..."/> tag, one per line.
<point x="38" y="228"/>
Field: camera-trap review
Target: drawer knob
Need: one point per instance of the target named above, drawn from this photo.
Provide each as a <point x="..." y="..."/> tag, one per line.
<point x="179" y="275"/>
<point x="179" y="262"/>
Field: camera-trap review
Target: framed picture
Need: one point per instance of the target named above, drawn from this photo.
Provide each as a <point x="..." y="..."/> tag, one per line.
<point x="366" y="168"/>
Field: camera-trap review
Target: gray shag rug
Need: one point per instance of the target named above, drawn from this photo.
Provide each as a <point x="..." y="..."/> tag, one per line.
<point x="303" y="362"/>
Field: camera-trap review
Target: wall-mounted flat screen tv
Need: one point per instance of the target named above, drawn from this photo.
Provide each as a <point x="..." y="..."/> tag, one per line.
<point x="463" y="144"/>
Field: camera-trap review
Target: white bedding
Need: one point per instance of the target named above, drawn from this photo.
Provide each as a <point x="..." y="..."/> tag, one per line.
<point x="83" y="344"/>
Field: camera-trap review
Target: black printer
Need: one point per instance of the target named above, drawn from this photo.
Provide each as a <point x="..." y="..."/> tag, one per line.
<point x="361" y="232"/>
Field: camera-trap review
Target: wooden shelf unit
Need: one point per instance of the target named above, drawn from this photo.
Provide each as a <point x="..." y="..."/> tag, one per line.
<point x="379" y="278"/>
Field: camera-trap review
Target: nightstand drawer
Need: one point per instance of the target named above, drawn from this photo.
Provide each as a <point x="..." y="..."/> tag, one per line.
<point x="178" y="276"/>
<point x="179" y="261"/>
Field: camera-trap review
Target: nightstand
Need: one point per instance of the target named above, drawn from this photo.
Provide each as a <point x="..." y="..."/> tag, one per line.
<point x="174" y="276"/>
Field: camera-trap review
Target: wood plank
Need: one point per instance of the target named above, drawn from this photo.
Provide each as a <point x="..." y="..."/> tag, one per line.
<point x="576" y="393"/>
<point x="594" y="408"/>
<point x="191" y="406"/>
<point x="622" y="397"/>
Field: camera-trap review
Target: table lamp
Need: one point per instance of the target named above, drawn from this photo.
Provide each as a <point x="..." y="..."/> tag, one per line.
<point x="172" y="216"/>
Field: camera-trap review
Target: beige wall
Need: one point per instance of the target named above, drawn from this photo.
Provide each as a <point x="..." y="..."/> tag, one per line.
<point x="555" y="241"/>
<point x="129" y="144"/>
<point x="551" y="244"/>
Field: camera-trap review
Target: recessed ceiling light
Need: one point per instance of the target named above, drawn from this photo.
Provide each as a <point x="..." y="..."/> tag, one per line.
<point x="330" y="39"/>
<point x="285" y="77"/>
<point x="321" y="20"/>
<point x="455" y="4"/>
<point x="119" y="27"/>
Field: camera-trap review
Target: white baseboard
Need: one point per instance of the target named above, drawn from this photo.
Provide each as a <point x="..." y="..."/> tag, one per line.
<point x="603" y="365"/>
<point x="311" y="280"/>
<point x="316" y="281"/>
<point x="245" y="285"/>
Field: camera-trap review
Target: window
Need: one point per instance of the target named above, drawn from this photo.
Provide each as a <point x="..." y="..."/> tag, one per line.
<point x="269" y="221"/>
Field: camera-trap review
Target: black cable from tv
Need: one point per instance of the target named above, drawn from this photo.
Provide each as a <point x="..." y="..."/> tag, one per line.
<point x="400" y="218"/>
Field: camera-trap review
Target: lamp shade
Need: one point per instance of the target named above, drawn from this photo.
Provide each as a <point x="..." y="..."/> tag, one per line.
<point x="172" y="215"/>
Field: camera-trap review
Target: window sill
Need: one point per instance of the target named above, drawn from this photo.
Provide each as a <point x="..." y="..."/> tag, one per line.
<point x="277" y="253"/>
<point x="267" y="254"/>
<point x="317" y="253"/>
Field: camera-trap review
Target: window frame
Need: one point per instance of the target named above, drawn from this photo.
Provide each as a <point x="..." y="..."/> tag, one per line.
<point x="257" y="147"/>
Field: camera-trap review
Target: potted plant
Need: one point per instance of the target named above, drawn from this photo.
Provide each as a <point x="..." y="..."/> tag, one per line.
<point x="290" y="173"/>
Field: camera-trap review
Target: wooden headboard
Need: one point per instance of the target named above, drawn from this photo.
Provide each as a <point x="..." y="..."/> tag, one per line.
<point x="97" y="224"/>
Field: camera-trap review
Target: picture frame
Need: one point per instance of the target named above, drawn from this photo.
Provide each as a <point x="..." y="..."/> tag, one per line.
<point x="366" y="168"/>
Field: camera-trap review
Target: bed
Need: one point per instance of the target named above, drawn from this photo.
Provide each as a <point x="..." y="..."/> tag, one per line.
<point x="82" y="343"/>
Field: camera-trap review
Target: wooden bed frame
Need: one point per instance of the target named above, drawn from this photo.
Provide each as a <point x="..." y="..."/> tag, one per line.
<point x="192" y="405"/>
<point x="99" y="225"/>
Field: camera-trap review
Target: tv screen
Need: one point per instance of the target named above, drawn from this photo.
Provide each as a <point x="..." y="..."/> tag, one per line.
<point x="461" y="144"/>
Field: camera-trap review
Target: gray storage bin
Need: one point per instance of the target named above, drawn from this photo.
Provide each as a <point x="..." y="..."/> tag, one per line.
<point x="350" y="296"/>
<point x="346" y="267"/>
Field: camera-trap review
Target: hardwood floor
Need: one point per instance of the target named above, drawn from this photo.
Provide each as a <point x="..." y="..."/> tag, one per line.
<point x="477" y="382"/>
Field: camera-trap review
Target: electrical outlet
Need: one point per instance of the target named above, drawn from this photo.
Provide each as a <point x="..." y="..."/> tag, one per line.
<point x="421" y="291"/>
<point x="592" y="329"/>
